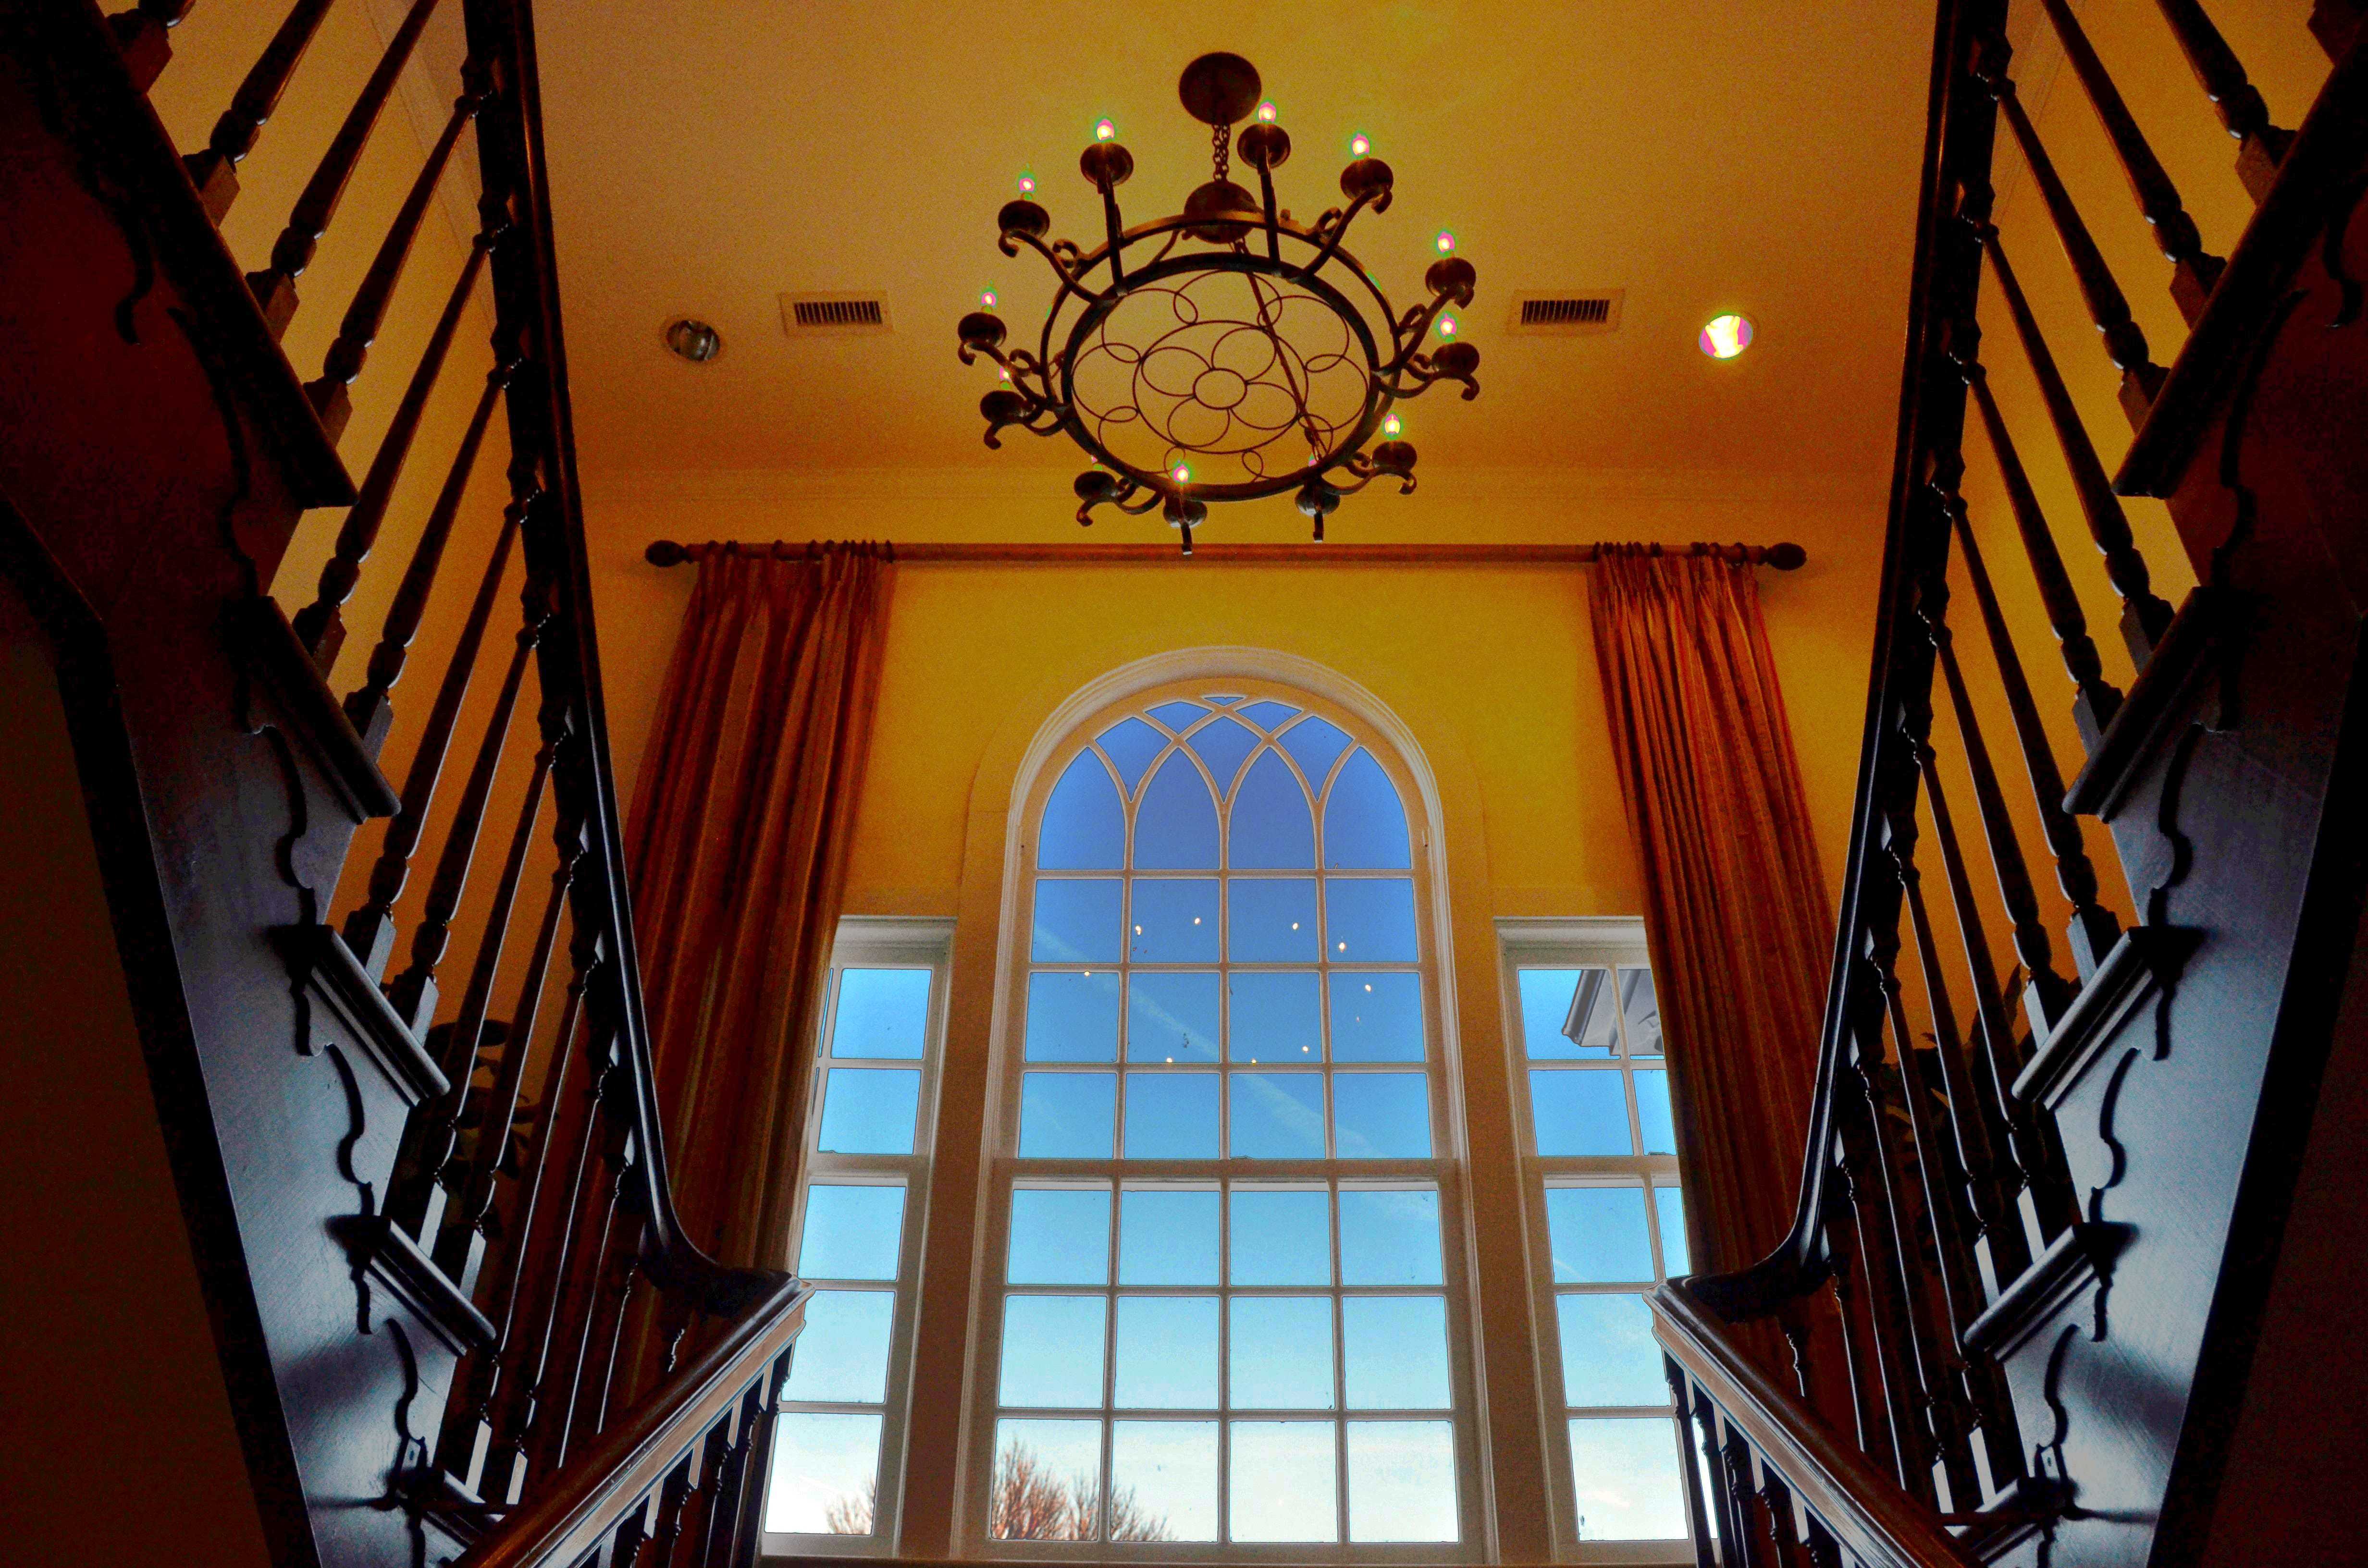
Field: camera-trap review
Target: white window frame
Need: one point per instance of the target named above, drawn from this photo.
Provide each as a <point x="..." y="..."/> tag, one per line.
<point x="877" y="942"/>
<point x="1005" y="1170"/>
<point x="1577" y="942"/>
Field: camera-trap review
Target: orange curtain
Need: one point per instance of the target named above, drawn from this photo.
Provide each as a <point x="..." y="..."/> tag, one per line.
<point x="1736" y="914"/>
<point x="738" y="854"/>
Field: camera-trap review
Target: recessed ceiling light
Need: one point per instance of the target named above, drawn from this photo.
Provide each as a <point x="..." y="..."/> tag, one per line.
<point x="694" y="339"/>
<point x="1723" y="337"/>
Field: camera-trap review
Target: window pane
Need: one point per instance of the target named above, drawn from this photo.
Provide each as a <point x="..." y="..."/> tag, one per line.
<point x="1381" y="1116"/>
<point x="1175" y="921"/>
<point x="1166" y="1237"/>
<point x="1047" y="1483"/>
<point x="880" y="1012"/>
<point x="1163" y="1480"/>
<point x="1370" y="921"/>
<point x="1276" y="1017"/>
<point x="1077" y="921"/>
<point x="1166" y="1353"/>
<point x="1267" y="714"/>
<point x="852" y="1233"/>
<point x="1364" y="821"/>
<point x="1179" y="716"/>
<point x="1132" y="745"/>
<point x="1277" y="1115"/>
<point x="1580" y="1112"/>
<point x="1073" y="1018"/>
<point x="1624" y="1477"/>
<point x="868" y="1110"/>
<point x="1084" y="828"/>
<point x="1566" y="1014"/>
<point x="1376" y="1017"/>
<point x="1059" y="1236"/>
<point x="1598" y="1236"/>
<point x="1642" y="1009"/>
<point x="1171" y="1116"/>
<point x="1271" y="826"/>
<point x="843" y="1350"/>
<point x="1653" y="1111"/>
<point x="1066" y="1116"/>
<point x="1053" y="1351"/>
<point x="1402" y="1481"/>
<point x="1315" y="744"/>
<point x="1281" y="1237"/>
<point x="1394" y="1352"/>
<point x="1222" y="744"/>
<point x="1671" y="1204"/>
<point x="824" y="1468"/>
<point x="1273" y="920"/>
<point x="1282" y="1479"/>
<point x="1172" y="1018"/>
<point x="1175" y="825"/>
<point x="1609" y="1356"/>
<point x="1280" y="1351"/>
<point x="1389" y="1238"/>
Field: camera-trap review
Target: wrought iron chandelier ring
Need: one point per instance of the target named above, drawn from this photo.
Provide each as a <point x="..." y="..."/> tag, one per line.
<point x="1241" y="285"/>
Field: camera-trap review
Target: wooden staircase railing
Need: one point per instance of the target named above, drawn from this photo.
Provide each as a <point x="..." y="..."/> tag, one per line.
<point x="1947" y="1245"/>
<point x="521" y="1232"/>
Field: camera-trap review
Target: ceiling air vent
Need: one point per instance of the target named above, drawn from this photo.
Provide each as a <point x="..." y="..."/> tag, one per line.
<point x="1567" y="315"/>
<point x="807" y="315"/>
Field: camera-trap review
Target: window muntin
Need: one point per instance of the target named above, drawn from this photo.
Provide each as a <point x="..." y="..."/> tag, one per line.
<point x="1226" y="1072"/>
<point x="838" y="1440"/>
<point x="1607" y="1216"/>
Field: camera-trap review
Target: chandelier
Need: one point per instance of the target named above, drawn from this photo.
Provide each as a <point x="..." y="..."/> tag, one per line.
<point x="1229" y="352"/>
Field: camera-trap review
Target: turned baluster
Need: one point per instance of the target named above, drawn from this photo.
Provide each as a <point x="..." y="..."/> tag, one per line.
<point x="733" y="1517"/>
<point x="1689" y="1473"/>
<point x="370" y="930"/>
<point x="598" y="1252"/>
<point x="1736" y="1467"/>
<point x="414" y="991"/>
<point x="2262" y="145"/>
<point x="2037" y="1164"/>
<point x="675" y="1495"/>
<point x="2144" y="616"/>
<point x="1869" y="1424"/>
<point x="214" y="169"/>
<point x="330" y="395"/>
<point x="144" y="36"/>
<point x="2095" y="699"/>
<point x="2195" y="271"/>
<point x="322" y="624"/>
<point x="2125" y="345"/>
<point x="1783" y="1531"/>
<point x="458" y="1246"/>
<point x="274" y="286"/>
<point x="1897" y="1341"/>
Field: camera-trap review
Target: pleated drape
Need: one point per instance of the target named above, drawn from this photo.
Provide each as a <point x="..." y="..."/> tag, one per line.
<point x="1736" y="913"/>
<point x="738" y="850"/>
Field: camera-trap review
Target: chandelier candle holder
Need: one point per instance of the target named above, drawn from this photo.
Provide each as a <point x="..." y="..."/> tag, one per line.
<point x="1229" y="352"/>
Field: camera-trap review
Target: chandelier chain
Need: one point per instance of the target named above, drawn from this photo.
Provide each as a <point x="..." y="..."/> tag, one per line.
<point x="1222" y="138"/>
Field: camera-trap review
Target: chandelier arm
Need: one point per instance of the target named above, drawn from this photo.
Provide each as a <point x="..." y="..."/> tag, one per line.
<point x="1071" y="282"/>
<point x="1424" y="372"/>
<point x="1017" y="365"/>
<point x="1273" y="227"/>
<point x="1413" y="330"/>
<point x="1117" y="228"/>
<point x="1367" y="471"/>
<point x="1339" y="231"/>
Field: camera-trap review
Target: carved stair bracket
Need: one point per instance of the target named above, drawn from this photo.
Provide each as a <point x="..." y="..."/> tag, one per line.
<point x="267" y="648"/>
<point x="319" y="960"/>
<point x="384" y="1257"/>
<point x="2083" y="1256"/>
<point x="2202" y="637"/>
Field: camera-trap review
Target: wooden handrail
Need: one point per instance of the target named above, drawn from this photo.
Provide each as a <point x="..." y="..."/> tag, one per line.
<point x="1866" y="1510"/>
<point x="578" y="1506"/>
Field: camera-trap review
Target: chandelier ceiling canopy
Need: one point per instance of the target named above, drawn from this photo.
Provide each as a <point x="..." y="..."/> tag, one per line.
<point x="1228" y="352"/>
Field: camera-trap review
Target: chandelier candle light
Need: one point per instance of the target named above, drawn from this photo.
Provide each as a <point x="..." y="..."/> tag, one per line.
<point x="1206" y="356"/>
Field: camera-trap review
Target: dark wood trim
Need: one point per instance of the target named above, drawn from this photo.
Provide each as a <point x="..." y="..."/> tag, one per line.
<point x="381" y="1251"/>
<point x="2326" y="155"/>
<point x="2147" y="957"/>
<point x="268" y="648"/>
<point x="1866" y="1510"/>
<point x="2208" y="622"/>
<point x="1782" y="557"/>
<point x="2083" y="1254"/>
<point x="319" y="958"/>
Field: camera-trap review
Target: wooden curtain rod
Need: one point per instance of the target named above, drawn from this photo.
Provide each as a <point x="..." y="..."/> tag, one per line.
<point x="1782" y="557"/>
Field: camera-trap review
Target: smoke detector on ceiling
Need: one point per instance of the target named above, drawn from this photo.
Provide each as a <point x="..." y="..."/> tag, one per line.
<point x="1567" y="315"/>
<point x="839" y="315"/>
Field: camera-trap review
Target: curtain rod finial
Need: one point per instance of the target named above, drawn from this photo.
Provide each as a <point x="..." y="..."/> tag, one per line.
<point x="665" y="552"/>
<point x="1783" y="557"/>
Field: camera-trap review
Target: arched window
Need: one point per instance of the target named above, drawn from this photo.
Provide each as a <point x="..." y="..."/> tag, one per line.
<point x="1226" y="1218"/>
